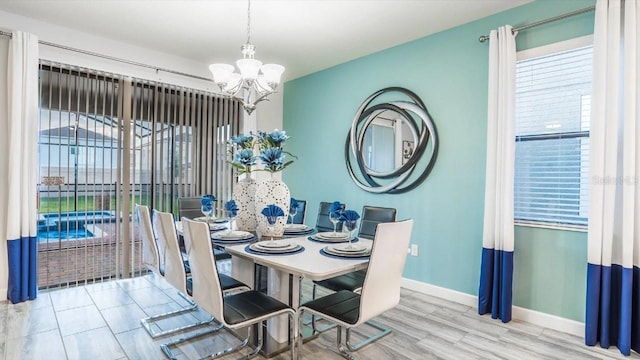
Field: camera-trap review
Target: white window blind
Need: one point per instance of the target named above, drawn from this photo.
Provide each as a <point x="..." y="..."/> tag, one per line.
<point x="553" y="100"/>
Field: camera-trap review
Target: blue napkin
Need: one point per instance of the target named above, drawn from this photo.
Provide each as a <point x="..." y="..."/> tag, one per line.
<point x="272" y="212"/>
<point x="336" y="208"/>
<point x="207" y="202"/>
<point x="231" y="208"/>
<point x="349" y="218"/>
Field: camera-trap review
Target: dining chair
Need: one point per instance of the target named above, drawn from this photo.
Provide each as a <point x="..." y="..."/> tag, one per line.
<point x="234" y="311"/>
<point x="189" y="207"/>
<point x="174" y="270"/>
<point x="380" y="291"/>
<point x="300" y="215"/>
<point x="154" y="260"/>
<point x="371" y="217"/>
<point x="323" y="223"/>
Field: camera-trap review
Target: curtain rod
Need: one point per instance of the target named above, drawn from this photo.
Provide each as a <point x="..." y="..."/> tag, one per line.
<point x="8" y="34"/>
<point x="484" y="38"/>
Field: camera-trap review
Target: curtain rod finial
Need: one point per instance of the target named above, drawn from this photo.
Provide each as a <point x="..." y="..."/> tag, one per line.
<point x="483" y="38"/>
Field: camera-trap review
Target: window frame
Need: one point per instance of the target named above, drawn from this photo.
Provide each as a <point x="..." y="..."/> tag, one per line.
<point x="539" y="51"/>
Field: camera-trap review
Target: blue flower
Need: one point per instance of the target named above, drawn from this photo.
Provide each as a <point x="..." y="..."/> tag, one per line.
<point x="243" y="141"/>
<point x="272" y="212"/>
<point x="272" y="158"/>
<point x="244" y="157"/>
<point x="277" y="137"/>
<point x="336" y="208"/>
<point x="231" y="208"/>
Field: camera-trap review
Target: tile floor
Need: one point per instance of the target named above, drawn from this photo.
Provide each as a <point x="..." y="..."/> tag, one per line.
<point x="102" y="321"/>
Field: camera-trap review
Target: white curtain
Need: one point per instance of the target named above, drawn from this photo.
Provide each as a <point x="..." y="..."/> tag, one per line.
<point x="21" y="166"/>
<point x="495" y="291"/>
<point x="613" y="276"/>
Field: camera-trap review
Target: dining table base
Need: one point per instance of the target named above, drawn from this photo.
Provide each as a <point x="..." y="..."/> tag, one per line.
<point x="281" y="286"/>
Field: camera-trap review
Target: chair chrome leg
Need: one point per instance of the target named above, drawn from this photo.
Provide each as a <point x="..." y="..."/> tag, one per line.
<point x="166" y="348"/>
<point x="148" y="321"/>
<point x="343" y="351"/>
<point x="383" y="332"/>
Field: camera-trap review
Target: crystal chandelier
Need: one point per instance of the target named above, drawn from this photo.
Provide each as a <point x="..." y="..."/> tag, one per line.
<point x="255" y="82"/>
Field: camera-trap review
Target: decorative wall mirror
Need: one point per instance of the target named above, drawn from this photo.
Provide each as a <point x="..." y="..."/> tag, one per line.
<point x="387" y="141"/>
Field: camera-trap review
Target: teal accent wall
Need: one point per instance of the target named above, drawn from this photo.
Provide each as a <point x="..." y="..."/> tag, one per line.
<point x="448" y="70"/>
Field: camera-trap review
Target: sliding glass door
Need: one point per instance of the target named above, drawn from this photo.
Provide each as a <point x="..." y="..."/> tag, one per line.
<point x="107" y="143"/>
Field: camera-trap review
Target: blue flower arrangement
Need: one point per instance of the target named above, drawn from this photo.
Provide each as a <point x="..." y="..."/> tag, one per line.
<point x="272" y="156"/>
<point x="241" y="149"/>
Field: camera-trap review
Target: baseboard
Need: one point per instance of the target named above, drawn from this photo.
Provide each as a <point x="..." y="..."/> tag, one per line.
<point x="531" y="316"/>
<point x="3" y="294"/>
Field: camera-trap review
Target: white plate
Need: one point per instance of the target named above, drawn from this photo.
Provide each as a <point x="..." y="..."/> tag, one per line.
<point x="290" y="248"/>
<point x="349" y="248"/>
<point x="329" y="250"/>
<point x="216" y="227"/>
<point x="275" y="244"/>
<point x="300" y="227"/>
<point x="234" y="235"/>
<point x="211" y="220"/>
<point x="331" y="235"/>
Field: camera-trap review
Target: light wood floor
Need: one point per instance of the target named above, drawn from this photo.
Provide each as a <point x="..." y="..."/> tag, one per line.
<point x="102" y="321"/>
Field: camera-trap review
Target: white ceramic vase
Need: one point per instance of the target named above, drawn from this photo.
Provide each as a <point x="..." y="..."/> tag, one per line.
<point x="272" y="191"/>
<point x="244" y="193"/>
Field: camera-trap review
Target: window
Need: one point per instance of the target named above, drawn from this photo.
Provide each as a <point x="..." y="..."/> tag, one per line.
<point x="553" y="100"/>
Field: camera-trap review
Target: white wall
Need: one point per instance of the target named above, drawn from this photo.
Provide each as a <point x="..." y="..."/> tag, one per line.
<point x="268" y="114"/>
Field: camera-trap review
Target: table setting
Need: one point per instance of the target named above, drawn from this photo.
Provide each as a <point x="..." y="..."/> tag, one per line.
<point x="345" y="247"/>
<point x="273" y="247"/>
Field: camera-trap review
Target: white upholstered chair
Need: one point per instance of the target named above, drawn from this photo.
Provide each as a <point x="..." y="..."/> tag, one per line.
<point x="234" y="311"/>
<point x="380" y="290"/>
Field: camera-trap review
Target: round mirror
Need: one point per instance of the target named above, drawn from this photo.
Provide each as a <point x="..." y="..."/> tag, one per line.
<point x="387" y="141"/>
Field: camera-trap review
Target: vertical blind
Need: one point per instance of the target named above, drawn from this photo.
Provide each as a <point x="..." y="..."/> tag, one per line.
<point x="553" y="100"/>
<point x="107" y="142"/>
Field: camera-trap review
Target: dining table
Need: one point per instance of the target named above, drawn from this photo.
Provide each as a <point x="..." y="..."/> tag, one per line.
<point x="285" y="274"/>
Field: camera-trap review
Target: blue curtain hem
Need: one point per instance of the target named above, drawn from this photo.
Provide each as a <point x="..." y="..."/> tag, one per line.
<point x="495" y="293"/>
<point x="23" y="269"/>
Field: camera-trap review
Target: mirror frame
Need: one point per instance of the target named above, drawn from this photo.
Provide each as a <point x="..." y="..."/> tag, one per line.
<point x="422" y="132"/>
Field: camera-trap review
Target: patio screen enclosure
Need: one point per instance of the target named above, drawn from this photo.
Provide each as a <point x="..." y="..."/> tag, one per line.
<point x="106" y="143"/>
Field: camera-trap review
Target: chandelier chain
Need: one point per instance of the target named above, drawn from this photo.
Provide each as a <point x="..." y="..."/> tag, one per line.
<point x="249" y="22"/>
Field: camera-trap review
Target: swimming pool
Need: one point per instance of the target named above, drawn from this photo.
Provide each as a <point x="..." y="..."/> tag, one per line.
<point x="71" y="225"/>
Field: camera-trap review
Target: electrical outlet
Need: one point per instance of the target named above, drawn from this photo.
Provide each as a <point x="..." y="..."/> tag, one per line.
<point x="414" y="250"/>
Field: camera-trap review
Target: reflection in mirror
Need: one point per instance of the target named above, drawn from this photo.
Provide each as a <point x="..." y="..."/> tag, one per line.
<point x="379" y="147"/>
<point x="388" y="143"/>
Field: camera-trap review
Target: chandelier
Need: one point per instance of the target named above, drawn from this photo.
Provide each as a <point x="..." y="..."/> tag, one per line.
<point x="255" y="82"/>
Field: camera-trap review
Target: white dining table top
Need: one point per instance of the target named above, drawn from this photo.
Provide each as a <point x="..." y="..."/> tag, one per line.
<point x="310" y="263"/>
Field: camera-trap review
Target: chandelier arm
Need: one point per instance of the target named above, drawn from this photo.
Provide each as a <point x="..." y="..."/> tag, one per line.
<point x="263" y="97"/>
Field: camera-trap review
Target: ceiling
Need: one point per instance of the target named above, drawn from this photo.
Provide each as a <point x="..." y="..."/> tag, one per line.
<point x="303" y="35"/>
